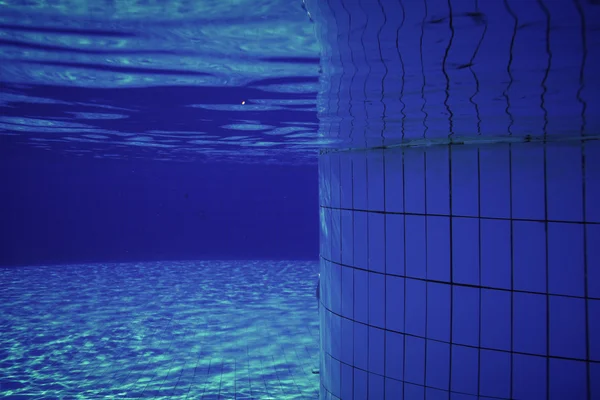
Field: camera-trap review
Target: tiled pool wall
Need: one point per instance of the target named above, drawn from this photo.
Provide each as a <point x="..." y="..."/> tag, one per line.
<point x="396" y="71"/>
<point x="471" y="269"/>
<point x="453" y="268"/>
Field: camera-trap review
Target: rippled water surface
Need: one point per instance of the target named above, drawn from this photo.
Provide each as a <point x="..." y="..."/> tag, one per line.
<point x="176" y="80"/>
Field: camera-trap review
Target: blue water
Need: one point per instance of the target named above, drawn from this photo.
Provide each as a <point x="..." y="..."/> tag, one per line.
<point x="178" y="81"/>
<point x="162" y="123"/>
<point x="159" y="219"/>
<point x="174" y="174"/>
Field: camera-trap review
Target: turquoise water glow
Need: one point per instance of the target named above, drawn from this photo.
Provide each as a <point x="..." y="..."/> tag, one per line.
<point x="177" y="330"/>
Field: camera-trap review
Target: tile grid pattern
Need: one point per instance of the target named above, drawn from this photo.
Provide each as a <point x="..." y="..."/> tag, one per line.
<point x="459" y="271"/>
<point x="494" y="294"/>
<point x="177" y="330"/>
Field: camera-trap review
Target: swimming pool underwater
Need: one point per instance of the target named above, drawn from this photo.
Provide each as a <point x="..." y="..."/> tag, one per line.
<point x="177" y="330"/>
<point x="459" y="183"/>
<point x="174" y="82"/>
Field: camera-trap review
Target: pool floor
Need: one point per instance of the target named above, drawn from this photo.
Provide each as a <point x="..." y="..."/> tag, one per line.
<point x="177" y="330"/>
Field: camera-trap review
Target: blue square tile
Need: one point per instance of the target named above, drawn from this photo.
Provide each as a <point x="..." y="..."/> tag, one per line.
<point x="377" y="305"/>
<point x="437" y="174"/>
<point x="494" y="370"/>
<point x="564" y="182"/>
<point x="465" y="178"/>
<point x="394" y="244"/>
<point x="416" y="297"/>
<point x="592" y="181"/>
<point x="394" y="358"/>
<point x="412" y="391"/>
<point x="346" y="382"/>
<point x="528" y="182"/>
<point x="529" y="323"/>
<point x="359" y="180"/>
<point x="496" y="263"/>
<point x="593" y="260"/>
<point x="568" y="379"/>
<point x="465" y="369"/>
<point x="361" y="346"/>
<point x="376" y="182"/>
<point x="593" y="309"/>
<point x="335" y="334"/>
<point x="438" y="248"/>
<point x="465" y="251"/>
<point x="494" y="164"/>
<point x="414" y="361"/>
<point x="335" y="378"/>
<point x="348" y="292"/>
<point x="394" y="389"/>
<point x="394" y="182"/>
<point x="334" y="236"/>
<point x="465" y="315"/>
<point x="414" y="181"/>
<point x="435" y="394"/>
<point x="360" y="384"/>
<point x="416" y="252"/>
<point x="594" y="381"/>
<point x="335" y="287"/>
<point x="496" y="309"/>
<point x="325" y="181"/>
<point x="437" y="365"/>
<point x="347" y="237"/>
<point x="566" y="259"/>
<point x="394" y="309"/>
<point x="529" y="256"/>
<point x="376" y="350"/>
<point x="347" y="182"/>
<point x="361" y="296"/>
<point x="360" y="240"/>
<point x="377" y="242"/>
<point x="567" y="327"/>
<point x="347" y="341"/>
<point x="335" y="180"/>
<point x="439" y="300"/>
<point x="376" y="389"/>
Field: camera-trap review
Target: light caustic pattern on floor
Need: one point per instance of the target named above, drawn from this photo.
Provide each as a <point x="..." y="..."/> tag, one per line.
<point x="196" y="330"/>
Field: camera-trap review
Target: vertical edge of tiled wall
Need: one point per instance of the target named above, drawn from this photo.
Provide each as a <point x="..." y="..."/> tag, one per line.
<point x="466" y="270"/>
<point x="470" y="270"/>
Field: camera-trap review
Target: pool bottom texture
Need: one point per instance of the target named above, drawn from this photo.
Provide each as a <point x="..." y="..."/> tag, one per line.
<point x="176" y="330"/>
